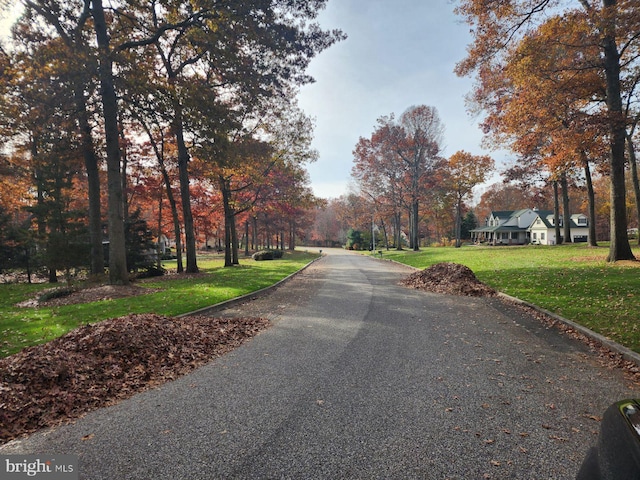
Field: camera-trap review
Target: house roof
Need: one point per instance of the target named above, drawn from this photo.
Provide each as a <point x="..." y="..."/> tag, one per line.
<point x="502" y="213"/>
<point x="509" y="220"/>
<point x="547" y="218"/>
<point x="499" y="228"/>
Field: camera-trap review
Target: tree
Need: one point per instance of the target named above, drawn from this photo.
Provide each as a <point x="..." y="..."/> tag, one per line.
<point x="397" y="164"/>
<point x="226" y="58"/>
<point x="118" y="271"/>
<point x="469" y="222"/>
<point x="465" y="171"/>
<point x="549" y="110"/>
<point x="354" y="239"/>
<point x="380" y="175"/>
<point x="498" y="25"/>
<point x="66" y="34"/>
<point x="417" y="141"/>
<point x="327" y="230"/>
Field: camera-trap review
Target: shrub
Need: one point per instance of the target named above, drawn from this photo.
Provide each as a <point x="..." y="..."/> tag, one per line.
<point x="151" y="271"/>
<point x="354" y="239"/>
<point x="263" y="255"/>
<point x="57" y="293"/>
<point x="267" y="255"/>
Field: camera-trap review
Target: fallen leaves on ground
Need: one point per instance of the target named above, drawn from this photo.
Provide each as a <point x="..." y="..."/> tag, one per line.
<point x="606" y="356"/>
<point x="97" y="365"/>
<point x="86" y="295"/>
<point x="449" y="278"/>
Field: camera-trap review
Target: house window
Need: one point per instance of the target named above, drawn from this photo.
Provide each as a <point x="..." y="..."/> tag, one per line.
<point x="538" y="222"/>
<point x="542" y="236"/>
<point x="535" y="236"/>
<point x="505" y="235"/>
<point x="582" y="220"/>
<point x="514" y="235"/>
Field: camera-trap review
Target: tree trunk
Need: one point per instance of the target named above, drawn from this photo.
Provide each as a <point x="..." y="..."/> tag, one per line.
<point x="118" y="274"/>
<point x="619" y="248"/>
<point x="254" y="234"/>
<point x="566" y="212"/>
<point x="292" y="235"/>
<point x="228" y="220"/>
<point x="556" y="212"/>
<point x="124" y="162"/>
<point x="96" y="260"/>
<point x="234" y="239"/>
<point x="228" y="261"/>
<point x="185" y="194"/>
<point x="592" y="203"/>
<point x="246" y="237"/>
<point x="415" y="236"/>
<point x="398" y="226"/>
<point x="458" y="221"/>
<point x="172" y="201"/>
<point x="267" y="233"/>
<point x="159" y="251"/>
<point x="385" y="233"/>
<point x="634" y="178"/>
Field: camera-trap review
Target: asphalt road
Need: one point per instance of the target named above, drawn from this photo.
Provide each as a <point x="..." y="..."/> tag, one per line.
<point x="360" y="378"/>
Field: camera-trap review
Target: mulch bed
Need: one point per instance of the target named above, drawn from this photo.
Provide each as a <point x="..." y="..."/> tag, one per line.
<point x="450" y="279"/>
<point x="98" y="365"/>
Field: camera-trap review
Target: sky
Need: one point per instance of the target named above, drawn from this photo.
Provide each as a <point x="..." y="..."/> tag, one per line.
<point x="399" y="53"/>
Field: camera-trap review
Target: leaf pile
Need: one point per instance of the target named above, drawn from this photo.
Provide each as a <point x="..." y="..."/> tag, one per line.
<point x="450" y="279"/>
<point x="97" y="365"/>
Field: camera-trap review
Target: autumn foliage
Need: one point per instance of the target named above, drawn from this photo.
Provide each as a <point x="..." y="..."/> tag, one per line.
<point x="558" y="83"/>
<point x="185" y="115"/>
<point x="406" y="186"/>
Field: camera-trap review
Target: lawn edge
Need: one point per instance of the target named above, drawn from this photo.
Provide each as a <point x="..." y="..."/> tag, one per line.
<point x="625" y="352"/>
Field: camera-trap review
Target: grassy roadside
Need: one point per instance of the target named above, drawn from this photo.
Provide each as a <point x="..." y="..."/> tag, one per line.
<point x="574" y="281"/>
<point x="22" y="327"/>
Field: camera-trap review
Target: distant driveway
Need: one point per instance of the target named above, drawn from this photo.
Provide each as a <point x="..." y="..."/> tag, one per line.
<point x="360" y="378"/>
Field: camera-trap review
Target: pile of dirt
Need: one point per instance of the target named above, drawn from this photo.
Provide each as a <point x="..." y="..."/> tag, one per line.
<point x="97" y="365"/>
<point x="450" y="279"/>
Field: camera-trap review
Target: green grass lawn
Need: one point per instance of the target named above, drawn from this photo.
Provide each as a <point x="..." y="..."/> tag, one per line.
<point x="574" y="281"/>
<point x="22" y="327"/>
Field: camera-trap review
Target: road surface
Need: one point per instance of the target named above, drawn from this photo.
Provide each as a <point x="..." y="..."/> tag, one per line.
<point x="360" y="378"/>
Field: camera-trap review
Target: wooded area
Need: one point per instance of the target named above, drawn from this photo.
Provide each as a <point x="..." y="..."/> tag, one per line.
<point x="124" y="122"/>
<point x="128" y="126"/>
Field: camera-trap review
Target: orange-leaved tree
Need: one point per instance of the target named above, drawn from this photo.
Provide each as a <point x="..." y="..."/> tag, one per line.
<point x="499" y="25"/>
<point x="464" y="172"/>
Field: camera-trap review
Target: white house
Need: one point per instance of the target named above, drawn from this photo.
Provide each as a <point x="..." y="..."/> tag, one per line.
<point x="507" y="227"/>
<point x="542" y="230"/>
<point x="520" y="227"/>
